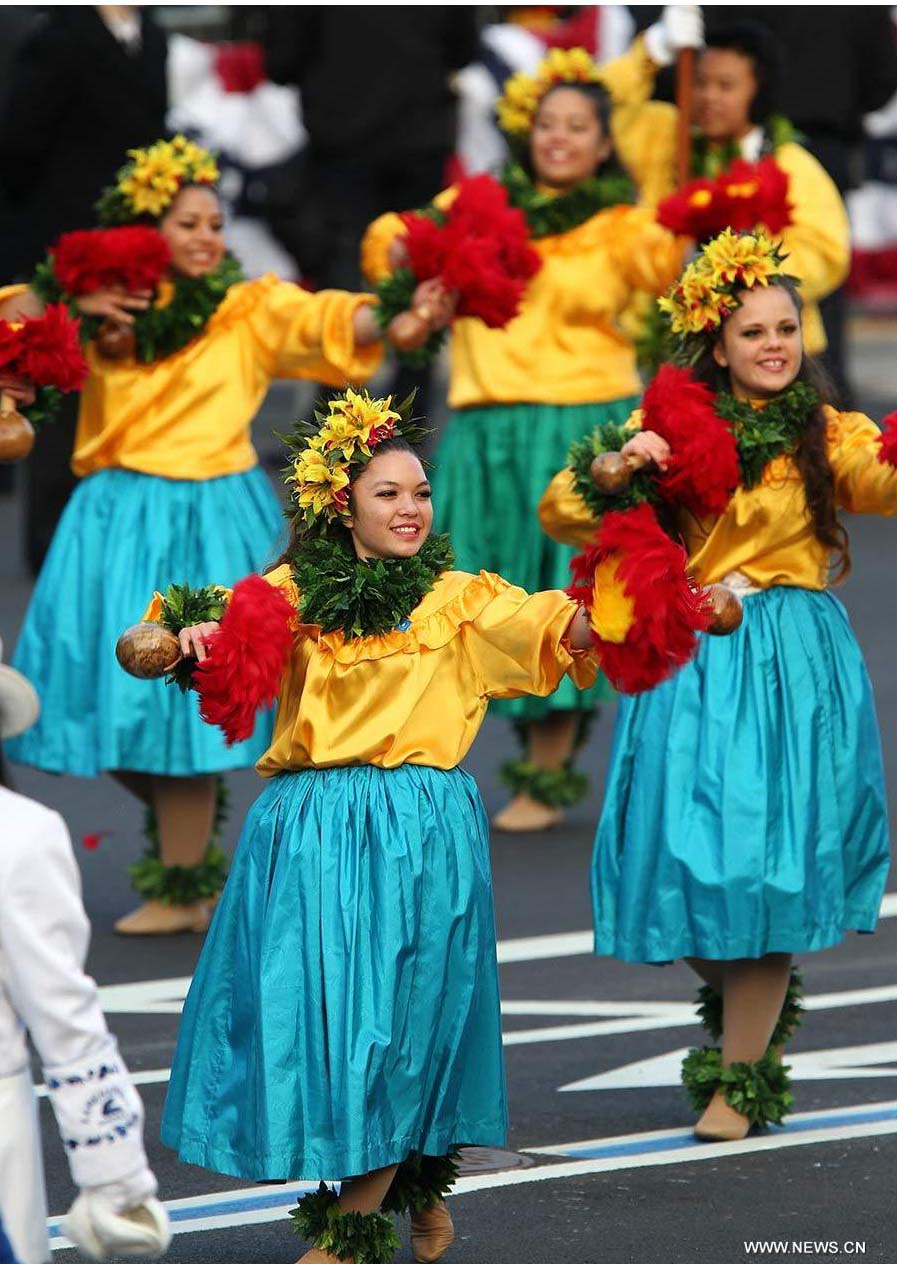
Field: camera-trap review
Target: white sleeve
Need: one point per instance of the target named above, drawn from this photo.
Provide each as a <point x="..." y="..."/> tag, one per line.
<point x="44" y="935"/>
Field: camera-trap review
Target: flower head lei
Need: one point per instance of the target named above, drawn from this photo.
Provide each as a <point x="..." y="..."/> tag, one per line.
<point x="329" y="453"/>
<point x="523" y="93"/>
<point x="707" y="292"/>
<point x="149" y="183"/>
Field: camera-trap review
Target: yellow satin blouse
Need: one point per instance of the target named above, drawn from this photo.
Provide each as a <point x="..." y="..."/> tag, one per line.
<point x="567" y="345"/>
<point x="765" y="532"/>
<point x="188" y="416"/>
<point x="418" y="696"/>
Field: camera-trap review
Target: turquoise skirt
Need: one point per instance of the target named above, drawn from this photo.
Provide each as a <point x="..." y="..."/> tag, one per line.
<point x="745" y="805"/>
<point x="123" y="535"/>
<point x="345" y="1008"/>
<point x="492" y="468"/>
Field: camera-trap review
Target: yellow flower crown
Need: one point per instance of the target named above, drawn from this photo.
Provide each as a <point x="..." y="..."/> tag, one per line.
<point x="523" y="92"/>
<point x="320" y="475"/>
<point x="149" y="183"/>
<point x="705" y="294"/>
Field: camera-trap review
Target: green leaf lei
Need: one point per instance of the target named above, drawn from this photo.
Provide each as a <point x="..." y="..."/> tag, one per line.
<point x="160" y="331"/>
<point x="182" y="884"/>
<point x="395" y="293"/>
<point x="609" y="436"/>
<point x="549" y="215"/>
<point x="182" y="607"/>
<point x="759" y="1090"/>
<point x="365" y="1238"/>
<point x="340" y="592"/>
<point x="421" y="1182"/>
<point x="763" y="434"/>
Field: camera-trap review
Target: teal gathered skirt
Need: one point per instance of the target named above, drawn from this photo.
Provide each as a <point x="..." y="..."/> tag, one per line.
<point x="345" y="1008"/>
<point x="745" y="807"/>
<point x="122" y="536"/>
<point x="493" y="465"/>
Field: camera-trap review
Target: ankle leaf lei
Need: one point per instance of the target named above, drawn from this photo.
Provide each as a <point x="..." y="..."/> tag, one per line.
<point x="166" y="327"/>
<point x="761" y="1090"/>
<point x="182" y="884"/>
<point x="340" y="592"/>
<point x="548" y="215"/>
<point x="421" y="1182"/>
<point x="710" y="1011"/>
<point x="349" y="1235"/>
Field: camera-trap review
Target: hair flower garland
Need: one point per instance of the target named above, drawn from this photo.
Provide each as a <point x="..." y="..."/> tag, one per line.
<point x="149" y="183"/>
<point x="329" y="453"/>
<point x="523" y="92"/>
<point x="706" y="293"/>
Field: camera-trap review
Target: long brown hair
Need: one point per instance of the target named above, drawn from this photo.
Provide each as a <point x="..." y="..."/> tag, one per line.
<point x="811" y="453"/>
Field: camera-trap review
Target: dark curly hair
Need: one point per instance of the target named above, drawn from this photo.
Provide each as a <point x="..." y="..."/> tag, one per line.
<point x="758" y="44"/>
<point x="811" y="453"/>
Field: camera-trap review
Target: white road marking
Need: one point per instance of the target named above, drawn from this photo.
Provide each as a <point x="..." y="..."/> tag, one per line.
<point x="263" y="1205"/>
<point x="850" y="1063"/>
<point x="622" y="1017"/>
<point x="650" y="1015"/>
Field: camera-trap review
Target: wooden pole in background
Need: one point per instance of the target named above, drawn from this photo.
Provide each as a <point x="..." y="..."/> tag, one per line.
<point x="685" y="74"/>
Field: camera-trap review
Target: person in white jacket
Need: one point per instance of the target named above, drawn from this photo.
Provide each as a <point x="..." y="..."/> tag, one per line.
<point x="44" y="933"/>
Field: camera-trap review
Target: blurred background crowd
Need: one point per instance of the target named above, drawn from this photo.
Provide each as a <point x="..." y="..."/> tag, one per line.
<point x="324" y="121"/>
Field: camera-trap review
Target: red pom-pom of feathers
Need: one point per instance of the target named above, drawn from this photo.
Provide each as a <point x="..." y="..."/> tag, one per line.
<point x="247" y="658"/>
<point x="703" y="471"/>
<point x="668" y="608"/>
<point x="482" y="251"/>
<point x="134" y="257"/>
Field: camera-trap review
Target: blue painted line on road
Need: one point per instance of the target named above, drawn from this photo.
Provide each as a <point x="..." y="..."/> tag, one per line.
<point x="270" y="1200"/>
<point x="687" y="1140"/>
<point x="241" y="1201"/>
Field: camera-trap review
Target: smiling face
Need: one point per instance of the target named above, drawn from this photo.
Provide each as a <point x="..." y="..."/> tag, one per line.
<point x="193" y="226"/>
<point x="392" y="512"/>
<point x="761" y="344"/>
<point x="568" y="143"/>
<point x="725" y="87"/>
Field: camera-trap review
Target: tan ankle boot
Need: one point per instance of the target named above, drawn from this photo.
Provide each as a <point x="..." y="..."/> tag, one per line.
<point x="432" y="1233"/>
<point x="720" y="1122"/>
<point x="526" y="815"/>
<point x="156" y="918"/>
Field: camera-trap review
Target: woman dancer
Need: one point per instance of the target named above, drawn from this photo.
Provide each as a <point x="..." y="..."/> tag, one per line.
<point x="735" y="99"/>
<point x="344" y="1017"/>
<point x="745" y="818"/>
<point x="171" y="489"/>
<point x="522" y="394"/>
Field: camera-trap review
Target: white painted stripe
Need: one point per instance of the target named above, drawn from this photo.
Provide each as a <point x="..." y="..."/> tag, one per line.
<point x="854" y="1062"/>
<point x="576" y="943"/>
<point x="687" y="1152"/>
<point x="166" y="996"/>
<point x="632" y="1016"/>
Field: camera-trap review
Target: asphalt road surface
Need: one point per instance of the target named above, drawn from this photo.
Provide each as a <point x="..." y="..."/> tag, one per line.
<point x="601" y="1166"/>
